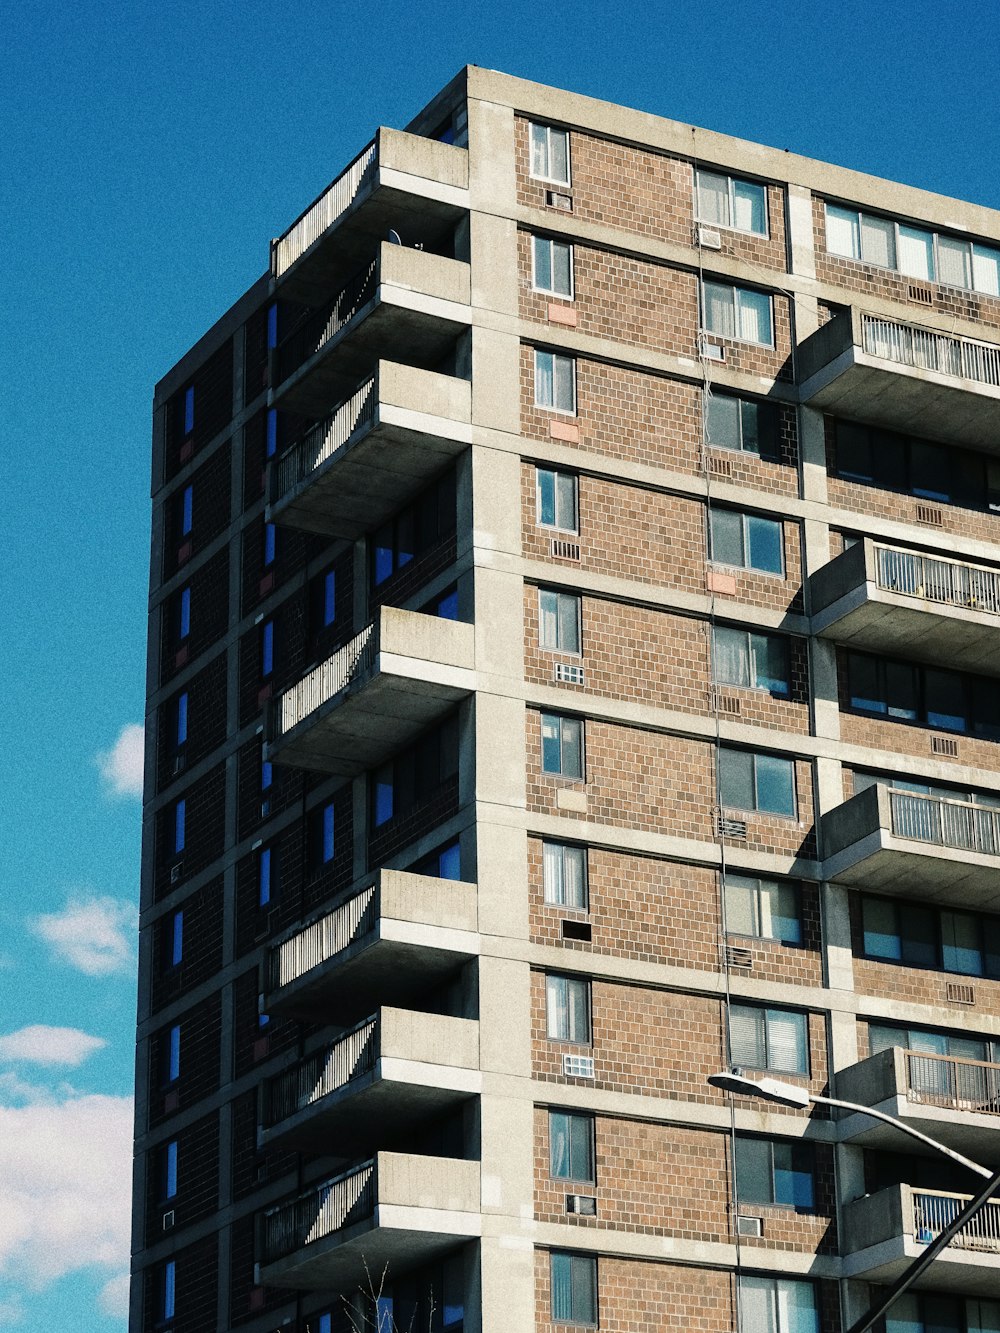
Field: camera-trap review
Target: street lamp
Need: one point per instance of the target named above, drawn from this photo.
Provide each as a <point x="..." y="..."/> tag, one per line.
<point x="789" y="1094"/>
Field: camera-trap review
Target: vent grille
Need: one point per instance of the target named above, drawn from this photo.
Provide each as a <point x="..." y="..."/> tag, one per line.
<point x="584" y="1205"/>
<point x="922" y="294"/>
<point x="568" y="674"/>
<point x="946" y="745"/>
<point x="724" y="703"/>
<point x="168" y="1220"/>
<point x="708" y="238"/>
<point x="557" y="199"/>
<point x="931" y="515"/>
<point x="750" y="1226"/>
<point x="731" y="827"/>
<point x="563" y="550"/>
<point x="720" y="467"/>
<point x="738" y="955"/>
<point x="578" y="1066"/>
<point x="957" y="993"/>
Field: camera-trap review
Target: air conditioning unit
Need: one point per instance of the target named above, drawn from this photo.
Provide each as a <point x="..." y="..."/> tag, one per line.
<point x="750" y="1226"/>
<point x="168" y="1220"/>
<point x="583" y="1205"/>
<point x="557" y="199"/>
<point x="713" y="352"/>
<point x="578" y="1066"/>
<point x="569" y="674"/>
<point x="708" y="238"/>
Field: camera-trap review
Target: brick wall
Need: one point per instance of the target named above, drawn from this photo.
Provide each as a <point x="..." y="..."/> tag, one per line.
<point x="206" y="718"/>
<point x="197" y="1286"/>
<point x="197" y="1179"/>
<point x="209" y="616"/>
<point x="210" y="501"/>
<point x="201" y="944"/>
<point x="204" y="829"/>
<point x="201" y="1030"/>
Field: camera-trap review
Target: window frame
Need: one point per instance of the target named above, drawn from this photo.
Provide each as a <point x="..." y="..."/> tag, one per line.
<point x="801" y="1015"/>
<point x="754" y="756"/>
<point x="582" y="987"/>
<point x="563" y="719"/>
<point x="746" y="516"/>
<point x="908" y="943"/>
<point x="751" y="659"/>
<point x="267" y="876"/>
<point x="556" y="473"/>
<point x="555" y="406"/>
<point x="548" y="130"/>
<point x="752" y="884"/>
<point x="768" y="415"/>
<point x="552" y="242"/>
<point x="731" y="182"/>
<point x="554" y="894"/>
<point x="796" y="1148"/>
<point x="560" y="595"/>
<point x="737" y="335"/>
<point x="587" y="1177"/>
<point x="772" y="1281"/>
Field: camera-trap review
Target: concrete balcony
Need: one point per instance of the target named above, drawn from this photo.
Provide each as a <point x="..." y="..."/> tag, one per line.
<point x="403" y="305"/>
<point x="885" y="1232"/>
<point x="397" y="939"/>
<point x="374" y="1084"/>
<point x="898" y="602"/>
<point x="909" y="845"/>
<point x="904" y="376"/>
<point x="397" y="1210"/>
<point x="350" y="474"/>
<point x="401" y="182"/>
<point x="954" y="1100"/>
<point x="402" y="673"/>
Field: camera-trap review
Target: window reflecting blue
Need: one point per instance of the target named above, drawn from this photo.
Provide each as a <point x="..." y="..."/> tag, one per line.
<point x="170" y="1170"/>
<point x="383" y="559"/>
<point x="267" y="648"/>
<point x="269" y="544"/>
<point x="383" y="799"/>
<point x="264" y="885"/>
<point x="450" y="863"/>
<point x="266" y="774"/>
<point x="272" y="326"/>
<point x="177" y="939"/>
<point x="271" y="445"/>
<point x="174" y="1053"/>
<point x="168" y="1303"/>
<point x="180" y="818"/>
<point x="187" y="509"/>
<point x="328" y="838"/>
<point x="184" y="613"/>
<point x="329" y="598"/>
<point x="181" y="719"/>
<point x="447" y="607"/>
<point x="189" y="409"/>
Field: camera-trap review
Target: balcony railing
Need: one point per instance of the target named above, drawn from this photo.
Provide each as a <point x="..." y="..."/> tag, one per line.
<point x="959" y="824"/>
<point x="318" y="328"/>
<point x="320" y="1211"/>
<point x="923" y="349"/>
<point x="351" y="663"/>
<point x="323" y="441"/>
<point x="325" y="938"/>
<point x="323" y="213"/>
<point x="948" y="582"/>
<point x="352" y="1056"/>
<point x="953" y="1083"/>
<point x="934" y="1211"/>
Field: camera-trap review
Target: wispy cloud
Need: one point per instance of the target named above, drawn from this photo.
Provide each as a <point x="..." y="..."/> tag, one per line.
<point x="94" y="934"/>
<point x="113" y="1297"/>
<point x="121" y="766"/>
<point x="42" y="1045"/>
<point x="11" y="1312"/>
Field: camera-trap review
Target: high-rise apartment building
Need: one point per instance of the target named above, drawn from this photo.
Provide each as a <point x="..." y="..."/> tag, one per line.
<point x="574" y="641"/>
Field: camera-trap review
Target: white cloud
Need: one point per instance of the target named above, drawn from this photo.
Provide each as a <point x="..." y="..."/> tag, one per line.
<point x="113" y="1297"/>
<point x="121" y="766"/>
<point x="93" y="935"/>
<point x="11" y="1312"/>
<point x="65" y="1187"/>
<point x="41" y="1045"/>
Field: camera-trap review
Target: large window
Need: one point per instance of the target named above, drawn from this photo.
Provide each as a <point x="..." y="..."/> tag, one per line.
<point x="931" y="937"/>
<point x="567" y="1009"/>
<point x="552" y="266"/>
<point x="746" y="541"/>
<point x="555" y="382"/>
<point x="407" y="781"/>
<point x="915" y="252"/>
<point x="415" y="530"/>
<point x="907" y="692"/>
<point x="559" y="620"/>
<point x="574" y="1288"/>
<point x="931" y="1041"/>
<point x="571" y="1146"/>
<point x="737" y="312"/>
<point x="769" y="1038"/>
<point x="922" y="468"/>
<point x="728" y="201"/>
<point x="745" y="424"/>
<point x="564" y="875"/>
<point x="550" y="154"/>
<point x="562" y="745"/>
<point x="767" y="909"/>
<point x="556" y="500"/>
<point x="778" y="1171"/>
<point x="753" y="781"/>
<point x="751" y="659"/>
<point x="777" y="1305"/>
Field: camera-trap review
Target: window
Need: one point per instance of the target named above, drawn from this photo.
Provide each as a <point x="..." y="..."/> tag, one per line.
<point x="415" y="530"/>
<point x="180" y="821"/>
<point x="559" y="620"/>
<point x="574" y="1288"/>
<point x="930" y="937"/>
<point x="322" y="835"/>
<point x="777" y="1305"/>
<point x="571" y="1146"/>
<point x="727" y="201"/>
<point x="269" y="544"/>
<point x="272" y="326"/>
<point x="745" y="424"/>
<point x="555" y="382"/>
<point x="267" y="879"/>
<point x="567" y="1009"/>
<point x="185" y="510"/>
<point x="189" y="409"/>
<point x="552" y="266"/>
<point x="767" y="909"/>
<point x="550" y="154"/>
<point x="183" y="613"/>
<point x="175" y="938"/>
<point x="168" y="1288"/>
<point x="768" y="1039"/>
<point x="917" y="467"/>
<point x="564" y="875"/>
<point x="562" y="745"/>
<point x="271" y="443"/>
<point x="415" y="775"/>
<point x="169" y="1170"/>
<point x="172" y="1061"/>
<point x="442" y="863"/>
<point x="737" y="312"/>
<point x="775" y="1171"/>
<point x="444" y="605"/>
<point x="323" y="601"/>
<point x="180" y="727"/>
<point x="929" y="1312"/>
<point x="761" y="782"/>
<point x="905" y="692"/>
<point x="266" y="648"/>
<point x="746" y="541"/>
<point x="752" y="660"/>
<point x="266" y="774"/>
<point x="555" y="496"/>
<point x="914" y="251"/>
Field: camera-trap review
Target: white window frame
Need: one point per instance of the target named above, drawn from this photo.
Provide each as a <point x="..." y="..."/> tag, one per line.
<point x="736" y="335"/>
<point x="560" y="594"/>
<point x="779" y="1289"/>
<point x="549" y="130"/>
<point x="553" y="406"/>
<point x="731" y="182"/>
<point x="536" y="286"/>
<point x="556" y="527"/>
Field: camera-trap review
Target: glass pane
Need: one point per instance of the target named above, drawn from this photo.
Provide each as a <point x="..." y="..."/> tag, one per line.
<point x="854" y="452"/>
<point x="181" y="719"/>
<point x="878" y="241"/>
<point x="736" y="779"/>
<point x="779" y="906"/>
<point x="552" y="872"/>
<point x="584" y="1280"/>
<point x="383" y="562"/>
<point x="916" y="253"/>
<point x="961" y="949"/>
<point x="904" y="1316"/>
<point x="881" y="933"/>
<point x="726" y="537"/>
<point x="731" y="657"/>
<point x="551" y="747"/>
<point x="882" y="1038"/>
<point x="986" y="270"/>
<point x="548" y="619"/>
<point x="769" y="656"/>
<point x="720" y="314"/>
<point x="747" y="1044"/>
<point x="902" y="689"/>
<point x="793" y="1181"/>
<point x="564" y="383"/>
<point x="546" y="482"/>
<point x="945" y="700"/>
<point x="842" y="233"/>
<point x="559" y="1161"/>
<point x="764" y="540"/>
<point x="543" y="379"/>
<point x="930" y="471"/>
<point x="741" y="903"/>
<point x="581" y="1139"/>
<point x="775" y="784"/>
<point x="983" y="1316"/>
<point x="569" y="622"/>
<point x="797" y="1307"/>
<point x="757" y="1312"/>
<point x="724" y="422"/>
<point x="954" y="261"/>
<point x="755" y="317"/>
<point x="787" y="1047"/>
<point x="539" y="150"/>
<point x="749" y="208"/>
<point x="562" y="269"/>
<point x="713" y="198"/>
<point x="559" y="156"/>
<point x="918" y="935"/>
<point x="179" y="821"/>
<point x="986" y="708"/>
<point x="579" y="1009"/>
<point x="556" y="1008"/>
<point x="572" y="747"/>
<point x="574" y="862"/>
<point x="562" y="1295"/>
<point x="753" y="1170"/>
<point x="450" y="862"/>
<point x="566" y="501"/>
<point x="543" y="263"/>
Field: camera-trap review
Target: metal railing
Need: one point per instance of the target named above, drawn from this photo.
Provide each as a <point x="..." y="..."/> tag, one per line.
<point x="946" y="581"/>
<point x="323" y="441"/>
<point x="953" y="1082"/>
<point x="349" y="664"/>
<point x="960" y="824"/>
<point x="923" y="349"/>
<point x="317" y="328"/>
<point x="934" y="1210"/>
<point x="335" y="200"/>
<point x="314" y="1078"/>
<point x="323" y="1209"/>
<point x="323" y="939"/>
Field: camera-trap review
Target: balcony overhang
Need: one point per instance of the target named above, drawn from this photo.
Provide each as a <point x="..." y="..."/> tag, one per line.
<point x="369" y="458"/>
<point x="411" y="306"/>
<point x="897" y="602"/>
<point x="414" y="186"/>
<point x="890" y="373"/>
<point x="405" y="672"/>
<point x="862" y="849"/>
<point x="397" y="940"/>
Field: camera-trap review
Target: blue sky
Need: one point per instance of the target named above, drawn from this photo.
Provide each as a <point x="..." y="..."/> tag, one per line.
<point x="149" y="154"/>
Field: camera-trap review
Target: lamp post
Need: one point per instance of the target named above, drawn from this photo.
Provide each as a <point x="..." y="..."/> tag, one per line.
<point x="788" y="1094"/>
